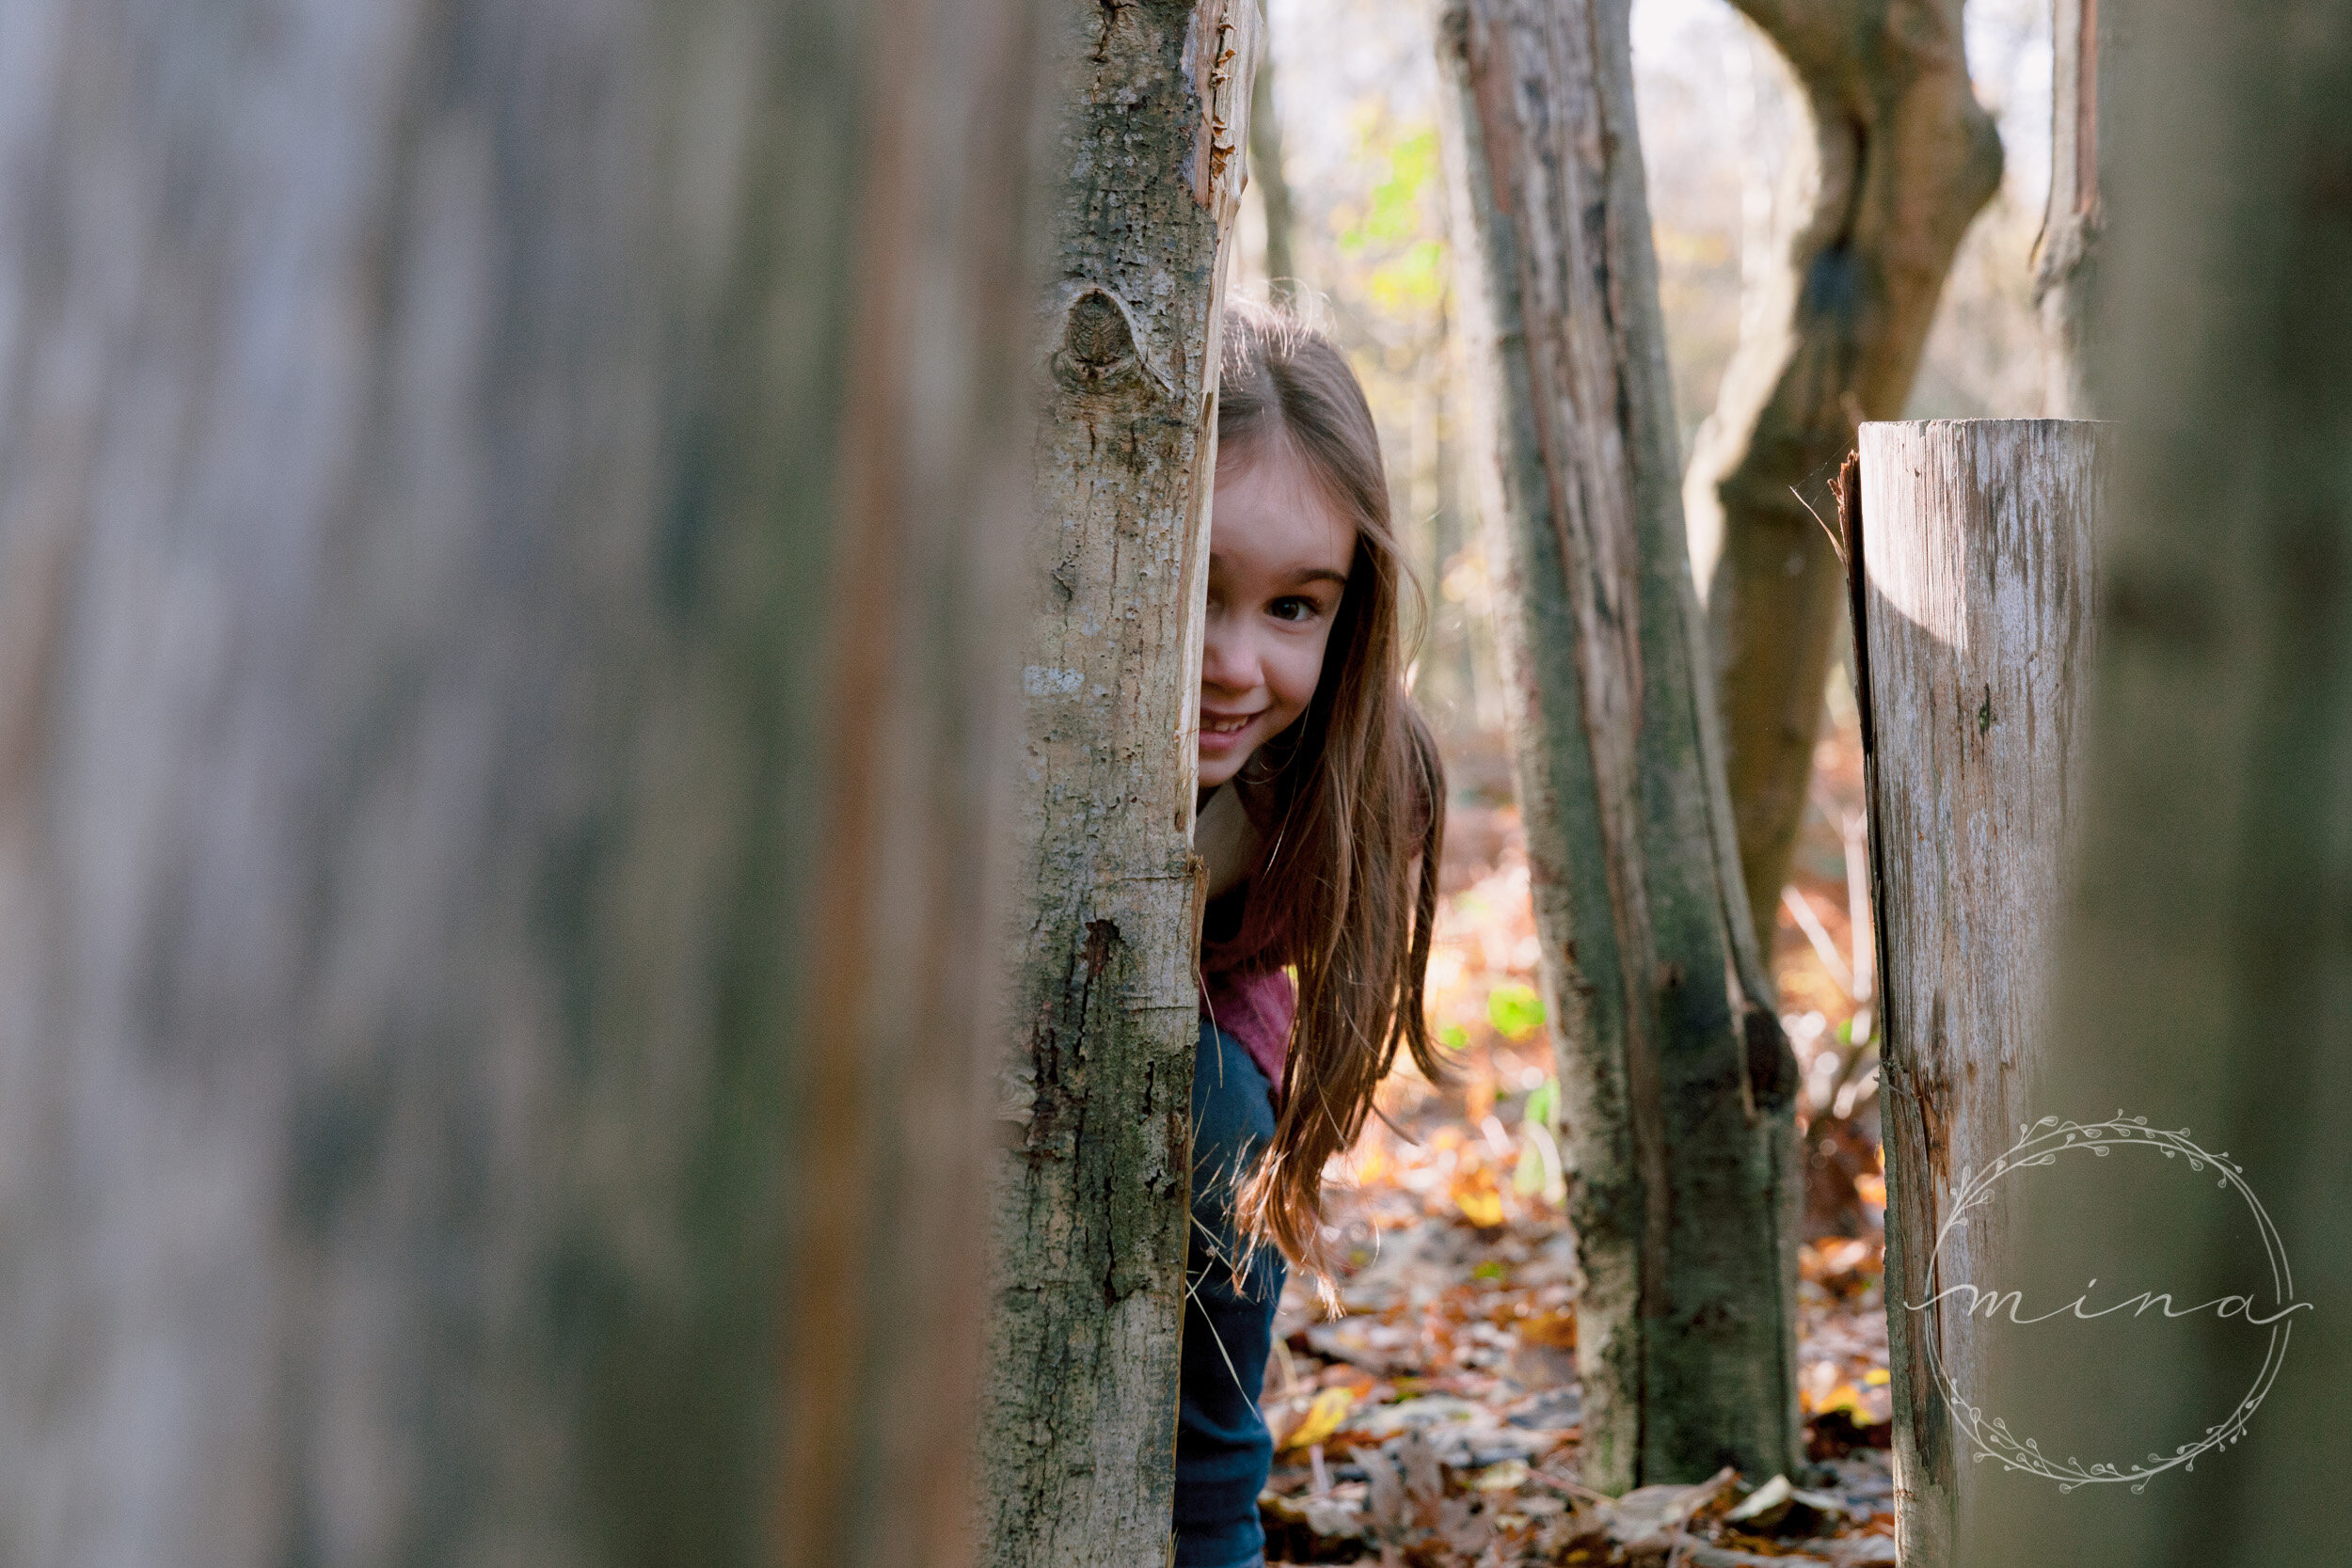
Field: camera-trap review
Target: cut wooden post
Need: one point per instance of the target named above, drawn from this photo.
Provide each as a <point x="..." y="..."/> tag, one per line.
<point x="1975" y="629"/>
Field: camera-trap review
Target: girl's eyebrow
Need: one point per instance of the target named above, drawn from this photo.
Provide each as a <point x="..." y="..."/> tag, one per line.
<point x="1318" y="573"/>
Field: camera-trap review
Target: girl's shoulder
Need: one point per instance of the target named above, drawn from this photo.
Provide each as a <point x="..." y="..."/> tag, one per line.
<point x="1226" y="835"/>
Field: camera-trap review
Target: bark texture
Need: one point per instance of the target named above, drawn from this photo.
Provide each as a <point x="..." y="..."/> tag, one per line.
<point x="2207" y="961"/>
<point x="2066" y="256"/>
<point x="497" y="505"/>
<point x="1676" y="1083"/>
<point x="1901" y="158"/>
<point x="1090" y="1198"/>
<point x="1978" y="622"/>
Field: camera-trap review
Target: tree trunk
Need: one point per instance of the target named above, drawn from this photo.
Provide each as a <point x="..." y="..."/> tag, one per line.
<point x="1681" y="1147"/>
<point x="496" y="700"/>
<point x="1978" y="617"/>
<point x="2206" y="966"/>
<point x="1901" y="159"/>
<point x="1079" y="1407"/>
<point x="2066" y="256"/>
<point x="1265" y="167"/>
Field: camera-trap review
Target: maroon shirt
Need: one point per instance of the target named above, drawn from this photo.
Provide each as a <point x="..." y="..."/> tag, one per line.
<point x="1243" y="988"/>
<point x="1257" y="1008"/>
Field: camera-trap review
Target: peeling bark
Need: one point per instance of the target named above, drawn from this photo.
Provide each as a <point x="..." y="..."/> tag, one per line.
<point x="2066" y="257"/>
<point x="1901" y="158"/>
<point x="1090" y="1194"/>
<point x="1679" y="1133"/>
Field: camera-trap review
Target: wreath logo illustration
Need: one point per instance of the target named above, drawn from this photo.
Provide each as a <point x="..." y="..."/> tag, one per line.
<point x="2042" y="1145"/>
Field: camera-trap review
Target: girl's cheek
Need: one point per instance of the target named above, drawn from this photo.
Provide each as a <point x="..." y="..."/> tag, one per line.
<point x="1305" y="669"/>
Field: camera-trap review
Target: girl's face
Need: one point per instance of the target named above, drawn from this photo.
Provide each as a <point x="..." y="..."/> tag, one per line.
<point x="1279" y="555"/>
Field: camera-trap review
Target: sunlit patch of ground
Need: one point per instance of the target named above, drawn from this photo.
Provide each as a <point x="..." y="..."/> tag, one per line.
<point x="1437" y="1421"/>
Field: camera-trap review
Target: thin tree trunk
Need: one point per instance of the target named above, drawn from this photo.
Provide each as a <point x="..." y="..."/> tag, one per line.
<point x="1265" y="167"/>
<point x="1679" y="1132"/>
<point x="2066" y="257"/>
<point x="496" y="671"/>
<point x="1978" y="618"/>
<point x="1090" y="1196"/>
<point x="2206" y="966"/>
<point x="1901" y="158"/>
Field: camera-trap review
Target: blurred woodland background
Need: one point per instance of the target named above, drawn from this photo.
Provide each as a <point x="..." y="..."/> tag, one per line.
<point x="1463" y="1303"/>
<point x="595" y="606"/>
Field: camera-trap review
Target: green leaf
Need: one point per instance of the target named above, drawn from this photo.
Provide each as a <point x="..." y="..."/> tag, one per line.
<point x="1541" y="1101"/>
<point x="1516" y="1011"/>
<point x="1529" y="1178"/>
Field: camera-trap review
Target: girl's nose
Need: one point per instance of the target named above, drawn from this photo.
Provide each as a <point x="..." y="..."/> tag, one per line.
<point x="1229" y="658"/>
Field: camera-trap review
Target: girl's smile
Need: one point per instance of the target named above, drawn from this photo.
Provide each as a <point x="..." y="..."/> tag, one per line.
<point x="1279" y="557"/>
<point x="1218" y="729"/>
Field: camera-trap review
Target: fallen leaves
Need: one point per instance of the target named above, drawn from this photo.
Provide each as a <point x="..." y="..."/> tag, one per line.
<point x="1549" y="1328"/>
<point x="1435" y="1422"/>
<point x="1476" y="1195"/>
<point x="1321" y="1420"/>
<point x="1842" y="1367"/>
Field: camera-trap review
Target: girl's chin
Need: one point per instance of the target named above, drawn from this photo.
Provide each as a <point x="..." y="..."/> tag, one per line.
<point x="1215" y="771"/>
<point x="1220" y="762"/>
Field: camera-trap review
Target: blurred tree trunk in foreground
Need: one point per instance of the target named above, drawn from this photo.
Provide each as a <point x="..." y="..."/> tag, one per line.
<point x="1679" y="1127"/>
<point x="1901" y="159"/>
<point x="2206" y="977"/>
<point x="1090" y="1194"/>
<point x="498" y="507"/>
<point x="2066" y="256"/>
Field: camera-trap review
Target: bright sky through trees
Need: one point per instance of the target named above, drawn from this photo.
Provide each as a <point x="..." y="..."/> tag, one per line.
<point x="1357" y="81"/>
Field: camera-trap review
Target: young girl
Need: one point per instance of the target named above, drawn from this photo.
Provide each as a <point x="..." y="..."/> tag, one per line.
<point x="1322" y="812"/>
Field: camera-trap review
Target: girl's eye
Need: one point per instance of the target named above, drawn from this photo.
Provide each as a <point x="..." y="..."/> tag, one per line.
<point x="1293" y="608"/>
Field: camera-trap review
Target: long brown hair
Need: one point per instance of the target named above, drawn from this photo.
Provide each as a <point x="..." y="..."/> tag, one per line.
<point x="1355" y="789"/>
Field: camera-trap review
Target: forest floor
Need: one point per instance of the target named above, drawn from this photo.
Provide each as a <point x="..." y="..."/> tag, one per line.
<point x="1436" y="1423"/>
